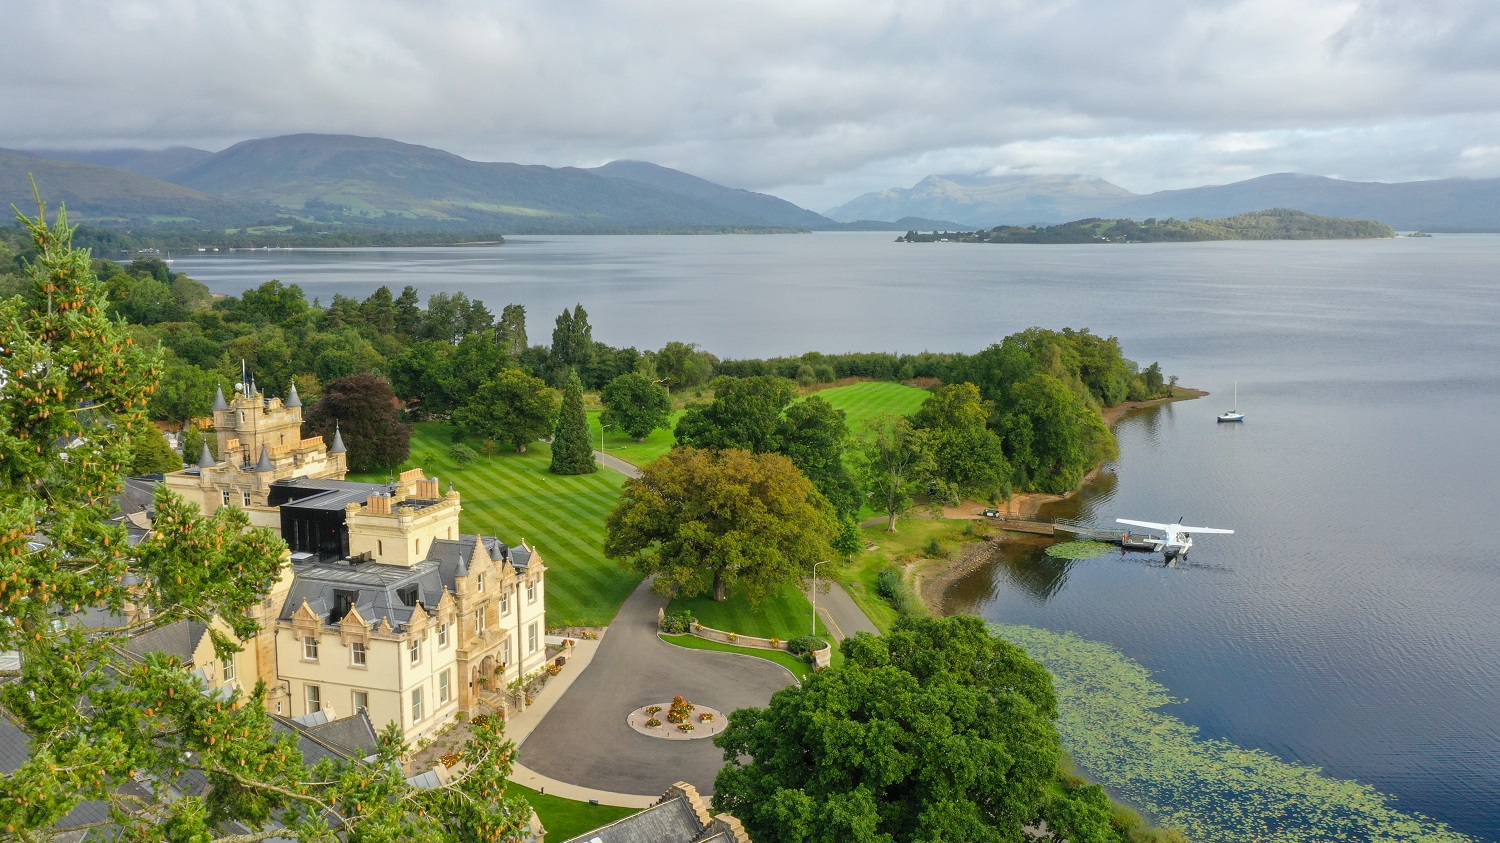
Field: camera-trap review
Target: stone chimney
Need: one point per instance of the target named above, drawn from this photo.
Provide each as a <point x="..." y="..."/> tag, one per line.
<point x="378" y="505"/>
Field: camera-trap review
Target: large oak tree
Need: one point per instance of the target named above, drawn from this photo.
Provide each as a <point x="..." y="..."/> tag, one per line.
<point x="704" y="520"/>
<point x="939" y="731"/>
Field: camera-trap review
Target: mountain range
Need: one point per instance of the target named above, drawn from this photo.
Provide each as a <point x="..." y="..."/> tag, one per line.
<point x="314" y="184"/>
<point x="988" y="201"/>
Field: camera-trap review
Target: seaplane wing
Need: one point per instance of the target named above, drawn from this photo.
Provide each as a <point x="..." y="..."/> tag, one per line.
<point x="1172" y="528"/>
<point x="1148" y="525"/>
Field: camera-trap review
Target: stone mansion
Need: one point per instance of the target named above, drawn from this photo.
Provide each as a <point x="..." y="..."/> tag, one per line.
<point x="385" y="605"/>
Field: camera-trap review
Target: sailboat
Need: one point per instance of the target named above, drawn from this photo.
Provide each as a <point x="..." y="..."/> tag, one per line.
<point x="1233" y="415"/>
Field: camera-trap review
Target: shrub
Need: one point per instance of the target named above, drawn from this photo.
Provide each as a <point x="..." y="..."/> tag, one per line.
<point x="463" y="454"/>
<point x="935" y="549"/>
<point x="653" y="722"/>
<point x="676" y="623"/>
<point x="652" y="710"/>
<point x="888" y="584"/>
<point x="805" y="645"/>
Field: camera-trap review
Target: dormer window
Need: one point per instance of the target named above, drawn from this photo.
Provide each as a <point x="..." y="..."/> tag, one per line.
<point x="343" y="601"/>
<point x="408" y="595"/>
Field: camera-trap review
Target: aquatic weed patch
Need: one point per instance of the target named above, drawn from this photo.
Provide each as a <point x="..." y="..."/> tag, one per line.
<point x="1214" y="790"/>
<point x="1078" y="550"/>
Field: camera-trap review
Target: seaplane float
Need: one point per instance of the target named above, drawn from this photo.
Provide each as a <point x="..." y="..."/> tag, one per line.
<point x="1178" y="539"/>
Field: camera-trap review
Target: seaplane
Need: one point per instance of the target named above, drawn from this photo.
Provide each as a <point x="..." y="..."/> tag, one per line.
<point x="1179" y="537"/>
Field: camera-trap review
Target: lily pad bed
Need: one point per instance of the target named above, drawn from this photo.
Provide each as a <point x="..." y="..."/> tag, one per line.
<point x="1079" y="550"/>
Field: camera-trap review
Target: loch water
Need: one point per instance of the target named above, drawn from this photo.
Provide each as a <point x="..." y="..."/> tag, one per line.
<point x="1352" y="621"/>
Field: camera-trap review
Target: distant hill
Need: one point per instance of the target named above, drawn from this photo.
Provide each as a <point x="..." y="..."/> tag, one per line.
<point x="346" y="178"/>
<point x="734" y="204"/>
<point x="1441" y="205"/>
<point x="983" y="202"/>
<point x="102" y="194"/>
<point x="903" y="224"/>
<point x="1275" y="224"/>
<point x="988" y="200"/>
<point x="155" y="163"/>
<point x="340" y="186"/>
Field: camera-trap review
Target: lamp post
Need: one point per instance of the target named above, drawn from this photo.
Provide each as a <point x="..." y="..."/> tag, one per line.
<point x="815" y="594"/>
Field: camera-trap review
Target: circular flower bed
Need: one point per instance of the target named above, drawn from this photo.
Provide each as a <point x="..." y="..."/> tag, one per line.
<point x="681" y="720"/>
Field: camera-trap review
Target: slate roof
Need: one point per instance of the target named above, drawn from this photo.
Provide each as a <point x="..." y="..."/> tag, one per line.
<point x="377" y="586"/>
<point x="179" y="639"/>
<point x="673" y="821"/>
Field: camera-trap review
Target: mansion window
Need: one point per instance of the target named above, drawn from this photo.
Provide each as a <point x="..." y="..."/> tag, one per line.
<point x="442" y="636"/>
<point x="310" y="649"/>
<point x="361" y="700"/>
<point x="445" y="688"/>
<point x="531" y="638"/>
<point x="246" y="497"/>
<point x="416" y="705"/>
<point x="504" y="602"/>
<point x="531" y="592"/>
<point x="479" y="583"/>
<point x="479" y="620"/>
<point x="314" y="699"/>
<point x="415" y="648"/>
<point x="226" y="497"/>
<point x="357" y="654"/>
<point x="229" y="672"/>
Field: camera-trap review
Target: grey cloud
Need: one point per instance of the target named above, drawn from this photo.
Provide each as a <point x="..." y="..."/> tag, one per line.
<point x="815" y="101"/>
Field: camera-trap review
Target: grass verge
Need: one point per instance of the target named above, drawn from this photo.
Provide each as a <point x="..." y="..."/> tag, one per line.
<point x="799" y="668"/>
<point x="620" y="445"/>
<point x="565" y="819"/>
<point x="785" y="615"/>
<point x="515" y="496"/>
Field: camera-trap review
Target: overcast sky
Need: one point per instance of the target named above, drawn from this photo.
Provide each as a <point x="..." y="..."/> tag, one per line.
<point x="816" y="101"/>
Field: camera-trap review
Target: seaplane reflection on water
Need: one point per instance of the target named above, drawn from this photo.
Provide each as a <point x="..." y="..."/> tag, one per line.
<point x="1178" y="540"/>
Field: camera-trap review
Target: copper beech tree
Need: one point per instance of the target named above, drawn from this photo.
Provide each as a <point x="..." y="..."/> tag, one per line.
<point x="129" y="733"/>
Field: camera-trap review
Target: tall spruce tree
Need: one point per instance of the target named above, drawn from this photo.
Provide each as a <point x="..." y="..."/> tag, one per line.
<point x="572" y="450"/>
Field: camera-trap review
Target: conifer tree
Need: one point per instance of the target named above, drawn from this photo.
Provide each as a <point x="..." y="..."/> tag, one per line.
<point x="572" y="450"/>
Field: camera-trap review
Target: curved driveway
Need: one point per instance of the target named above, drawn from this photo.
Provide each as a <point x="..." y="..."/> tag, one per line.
<point x="584" y="739"/>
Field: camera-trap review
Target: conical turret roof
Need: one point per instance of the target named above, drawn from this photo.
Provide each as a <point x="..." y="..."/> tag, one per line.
<point x="292" y="399"/>
<point x="219" y="402"/>
<point x="265" y="459"/>
<point x="207" y="460"/>
<point x="338" y="441"/>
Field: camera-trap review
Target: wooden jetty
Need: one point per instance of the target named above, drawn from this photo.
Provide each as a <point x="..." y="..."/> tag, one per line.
<point x="1051" y="527"/>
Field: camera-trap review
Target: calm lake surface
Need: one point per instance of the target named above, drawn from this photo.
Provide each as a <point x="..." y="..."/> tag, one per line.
<point x="1353" y="620"/>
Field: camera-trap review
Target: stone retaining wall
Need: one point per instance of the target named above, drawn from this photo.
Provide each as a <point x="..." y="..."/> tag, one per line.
<point x="821" y="658"/>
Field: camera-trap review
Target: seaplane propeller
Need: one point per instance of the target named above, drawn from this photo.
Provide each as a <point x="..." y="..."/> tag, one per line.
<point x="1178" y="538"/>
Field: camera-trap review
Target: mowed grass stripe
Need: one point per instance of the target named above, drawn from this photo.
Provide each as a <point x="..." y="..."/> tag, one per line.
<point x="563" y="517"/>
<point x="868" y="399"/>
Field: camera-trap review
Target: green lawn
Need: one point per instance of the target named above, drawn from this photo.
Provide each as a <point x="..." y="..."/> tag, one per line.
<point x="565" y="819"/>
<point x="786" y="615"/>
<point x="618" y="444"/>
<point x="799" y="667"/>
<point x="867" y="399"/>
<point x="515" y="497"/>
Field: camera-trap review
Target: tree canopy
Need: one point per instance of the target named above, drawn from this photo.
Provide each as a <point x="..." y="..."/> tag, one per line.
<point x="896" y="464"/>
<point x="363" y="408"/>
<point x="968" y="457"/>
<point x="511" y="407"/>
<point x="704" y="520"/>
<point x="939" y="731"/>
<point x="636" y="404"/>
